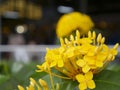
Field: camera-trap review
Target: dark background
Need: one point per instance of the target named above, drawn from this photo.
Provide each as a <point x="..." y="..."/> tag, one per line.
<point x="104" y="13"/>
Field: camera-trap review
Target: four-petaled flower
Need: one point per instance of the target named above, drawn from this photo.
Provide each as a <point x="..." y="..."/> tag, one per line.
<point x="85" y="81"/>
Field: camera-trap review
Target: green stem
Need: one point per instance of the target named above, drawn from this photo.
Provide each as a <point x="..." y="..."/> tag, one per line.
<point x="52" y="82"/>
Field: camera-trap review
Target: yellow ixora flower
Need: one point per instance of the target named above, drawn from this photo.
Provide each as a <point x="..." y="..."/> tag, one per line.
<point x="79" y="57"/>
<point x="57" y="60"/>
<point x="85" y="81"/>
<point x="72" y="21"/>
<point x="37" y="86"/>
<point x="32" y="86"/>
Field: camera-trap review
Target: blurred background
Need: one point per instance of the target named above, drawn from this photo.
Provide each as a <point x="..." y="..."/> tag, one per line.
<point x="27" y="27"/>
<point x="33" y="23"/>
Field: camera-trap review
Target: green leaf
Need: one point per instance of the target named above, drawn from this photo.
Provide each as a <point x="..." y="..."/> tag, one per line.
<point x="107" y="80"/>
<point x="68" y="85"/>
<point x="63" y="83"/>
<point x="4" y="69"/>
<point x="38" y="75"/>
<point x="3" y="78"/>
<point x="114" y="67"/>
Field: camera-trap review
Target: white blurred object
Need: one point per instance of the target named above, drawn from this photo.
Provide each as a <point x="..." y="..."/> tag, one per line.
<point x="65" y="9"/>
<point x="20" y="54"/>
<point x="21" y="29"/>
<point x="16" y="67"/>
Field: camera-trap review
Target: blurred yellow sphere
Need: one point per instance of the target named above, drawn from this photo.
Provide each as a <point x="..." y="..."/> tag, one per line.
<point x="73" y="21"/>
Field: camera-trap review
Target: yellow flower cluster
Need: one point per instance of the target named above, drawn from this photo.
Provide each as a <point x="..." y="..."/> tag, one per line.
<point x="34" y="85"/>
<point x="72" y="21"/>
<point x="79" y="58"/>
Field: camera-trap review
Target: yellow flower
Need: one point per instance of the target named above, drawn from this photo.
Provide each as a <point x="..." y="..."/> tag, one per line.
<point x="43" y="84"/>
<point x="112" y="53"/>
<point x="96" y="57"/>
<point x="57" y="60"/>
<point x="79" y="56"/>
<point x="20" y="87"/>
<point x="72" y="21"/>
<point x="85" y="81"/>
<point x="42" y="67"/>
<point x="34" y="85"/>
<point x="85" y="66"/>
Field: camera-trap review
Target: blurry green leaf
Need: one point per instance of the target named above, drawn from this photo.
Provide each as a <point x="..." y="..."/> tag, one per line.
<point x="3" y="78"/>
<point x="16" y="67"/>
<point x="68" y="85"/>
<point x="4" y="69"/>
<point x="19" y="74"/>
<point x="114" y="67"/>
<point x="107" y="80"/>
<point x="38" y="75"/>
<point x="23" y="75"/>
<point x="64" y="83"/>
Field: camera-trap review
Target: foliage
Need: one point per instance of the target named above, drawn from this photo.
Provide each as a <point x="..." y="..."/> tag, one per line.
<point x="13" y="73"/>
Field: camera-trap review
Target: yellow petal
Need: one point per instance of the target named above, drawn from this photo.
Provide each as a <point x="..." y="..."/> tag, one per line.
<point x="71" y="37"/>
<point x="80" y="62"/>
<point x="99" y="63"/>
<point x="82" y="86"/>
<point x="92" y="61"/>
<point x="113" y="58"/>
<point x="89" y="34"/>
<point x="66" y="41"/>
<point x="105" y="47"/>
<point x="61" y="50"/>
<point x="53" y="63"/>
<point x="116" y="46"/>
<point x="62" y="42"/>
<point x="91" y="51"/>
<point x="80" y="78"/>
<point x="94" y="35"/>
<point x="89" y="76"/>
<point x="78" y="34"/>
<point x="99" y="37"/>
<point x="102" y="56"/>
<point x="109" y="57"/>
<point x="85" y="41"/>
<point x="70" y="52"/>
<point x="32" y="81"/>
<point x="91" y="84"/>
<point x="43" y="84"/>
<point x="103" y="40"/>
<point x="85" y="69"/>
<point x="114" y="52"/>
<point x="30" y="87"/>
<point x="60" y="63"/>
<point x="20" y="87"/>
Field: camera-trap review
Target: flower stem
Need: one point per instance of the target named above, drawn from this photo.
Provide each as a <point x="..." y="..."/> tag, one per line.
<point x="52" y="82"/>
